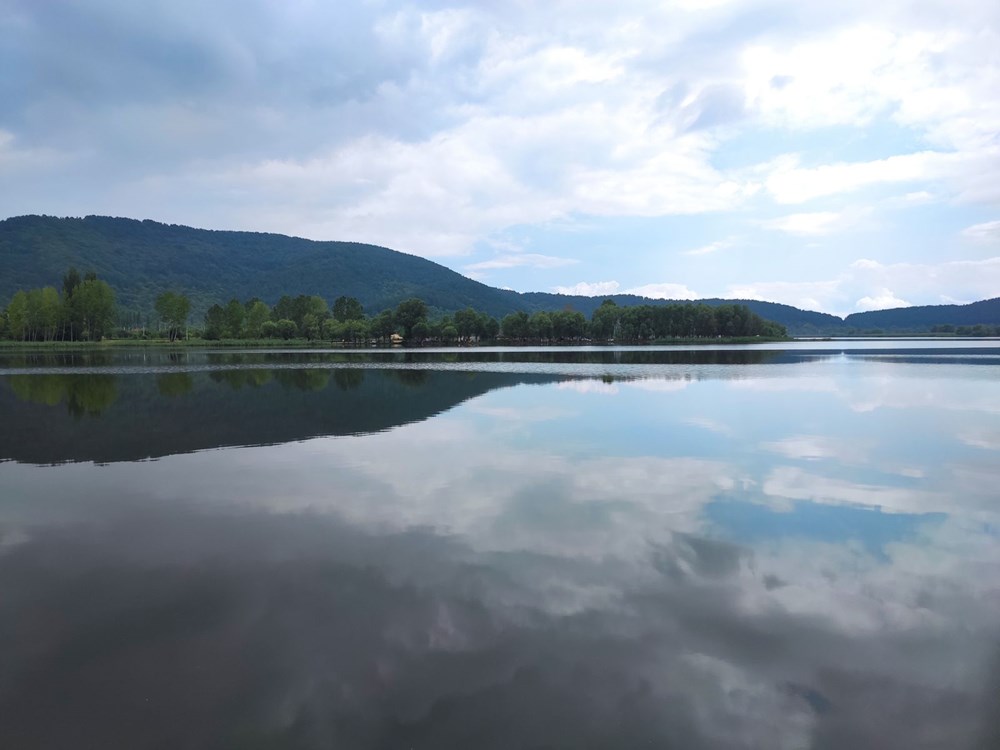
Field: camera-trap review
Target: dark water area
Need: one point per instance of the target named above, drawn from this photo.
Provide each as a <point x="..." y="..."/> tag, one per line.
<point x="779" y="546"/>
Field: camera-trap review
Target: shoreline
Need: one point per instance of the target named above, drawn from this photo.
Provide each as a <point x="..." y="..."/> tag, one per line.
<point x="307" y="344"/>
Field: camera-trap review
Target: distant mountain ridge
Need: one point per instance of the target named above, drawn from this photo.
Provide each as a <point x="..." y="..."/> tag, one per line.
<point x="141" y="259"/>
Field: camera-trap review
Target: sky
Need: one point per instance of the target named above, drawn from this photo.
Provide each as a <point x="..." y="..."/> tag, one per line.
<point x="838" y="156"/>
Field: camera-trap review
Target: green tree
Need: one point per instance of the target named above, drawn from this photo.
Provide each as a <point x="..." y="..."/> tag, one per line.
<point x="311" y="326"/>
<point x="284" y="309"/>
<point x="383" y="325"/>
<point x="568" y="324"/>
<point x="515" y="325"/>
<point x="50" y="313"/>
<point x="234" y="315"/>
<point x="490" y="327"/>
<point x="540" y="326"/>
<point x="173" y="309"/>
<point x="467" y="323"/>
<point x="287" y="329"/>
<point x="215" y="322"/>
<point x="17" y="315"/>
<point x="420" y="331"/>
<point x="347" y="308"/>
<point x="604" y="320"/>
<point x="258" y="313"/>
<point x="295" y="309"/>
<point x="93" y="304"/>
<point x="317" y="306"/>
<point x="356" y="331"/>
<point x="409" y="312"/>
<point x="333" y="330"/>
<point x="71" y="280"/>
<point x="269" y="329"/>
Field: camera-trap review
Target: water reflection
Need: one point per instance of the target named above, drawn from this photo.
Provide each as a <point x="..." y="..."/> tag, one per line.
<point x="592" y="361"/>
<point x="149" y="416"/>
<point x="174" y="384"/>
<point x="237" y="379"/>
<point x="84" y="395"/>
<point x="800" y="558"/>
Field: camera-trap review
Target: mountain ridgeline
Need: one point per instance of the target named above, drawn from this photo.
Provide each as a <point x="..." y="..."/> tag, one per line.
<point x="142" y="259"/>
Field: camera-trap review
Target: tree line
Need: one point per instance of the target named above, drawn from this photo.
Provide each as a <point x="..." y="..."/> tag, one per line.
<point x="980" y="329"/>
<point x="641" y="323"/>
<point x="310" y="317"/>
<point x="85" y="310"/>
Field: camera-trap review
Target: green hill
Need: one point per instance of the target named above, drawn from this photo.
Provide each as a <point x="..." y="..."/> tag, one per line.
<point x="922" y="318"/>
<point x="141" y="259"/>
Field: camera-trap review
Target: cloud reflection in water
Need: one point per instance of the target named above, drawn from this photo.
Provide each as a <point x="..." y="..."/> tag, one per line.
<point x="541" y="566"/>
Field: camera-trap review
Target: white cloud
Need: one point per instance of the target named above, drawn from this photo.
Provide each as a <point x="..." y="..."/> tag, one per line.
<point x="604" y="288"/>
<point x="808" y="295"/>
<point x="988" y="231"/>
<point x="818" y="222"/>
<point x="867" y="284"/>
<point x="517" y="415"/>
<point x="981" y="438"/>
<point x="814" y="447"/>
<point x="786" y="483"/>
<point x="711" y="247"/>
<point x="659" y="385"/>
<point x="883" y="300"/>
<point x="586" y="289"/>
<point x="924" y="71"/>
<point x="813" y="82"/>
<point x="789" y="183"/>
<point x="663" y="291"/>
<point x="590" y="385"/>
<point x="967" y="279"/>
<point x="513" y="260"/>
<point x="712" y="425"/>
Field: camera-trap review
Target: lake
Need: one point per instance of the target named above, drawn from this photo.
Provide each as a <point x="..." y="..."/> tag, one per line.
<point x="773" y="546"/>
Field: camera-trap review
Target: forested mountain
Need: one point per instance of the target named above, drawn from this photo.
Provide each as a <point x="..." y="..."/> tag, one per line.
<point x="141" y="259"/>
<point x="986" y="312"/>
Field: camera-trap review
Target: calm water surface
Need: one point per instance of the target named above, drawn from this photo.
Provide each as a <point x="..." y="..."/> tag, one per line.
<point x="704" y="547"/>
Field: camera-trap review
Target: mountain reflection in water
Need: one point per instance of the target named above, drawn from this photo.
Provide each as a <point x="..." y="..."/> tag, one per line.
<point x="796" y="550"/>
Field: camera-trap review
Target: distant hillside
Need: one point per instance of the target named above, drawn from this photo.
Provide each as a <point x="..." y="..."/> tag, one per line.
<point x="924" y="317"/>
<point x="141" y="259"/>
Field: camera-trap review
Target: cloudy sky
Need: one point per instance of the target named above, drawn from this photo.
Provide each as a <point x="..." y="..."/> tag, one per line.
<point x="839" y="156"/>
